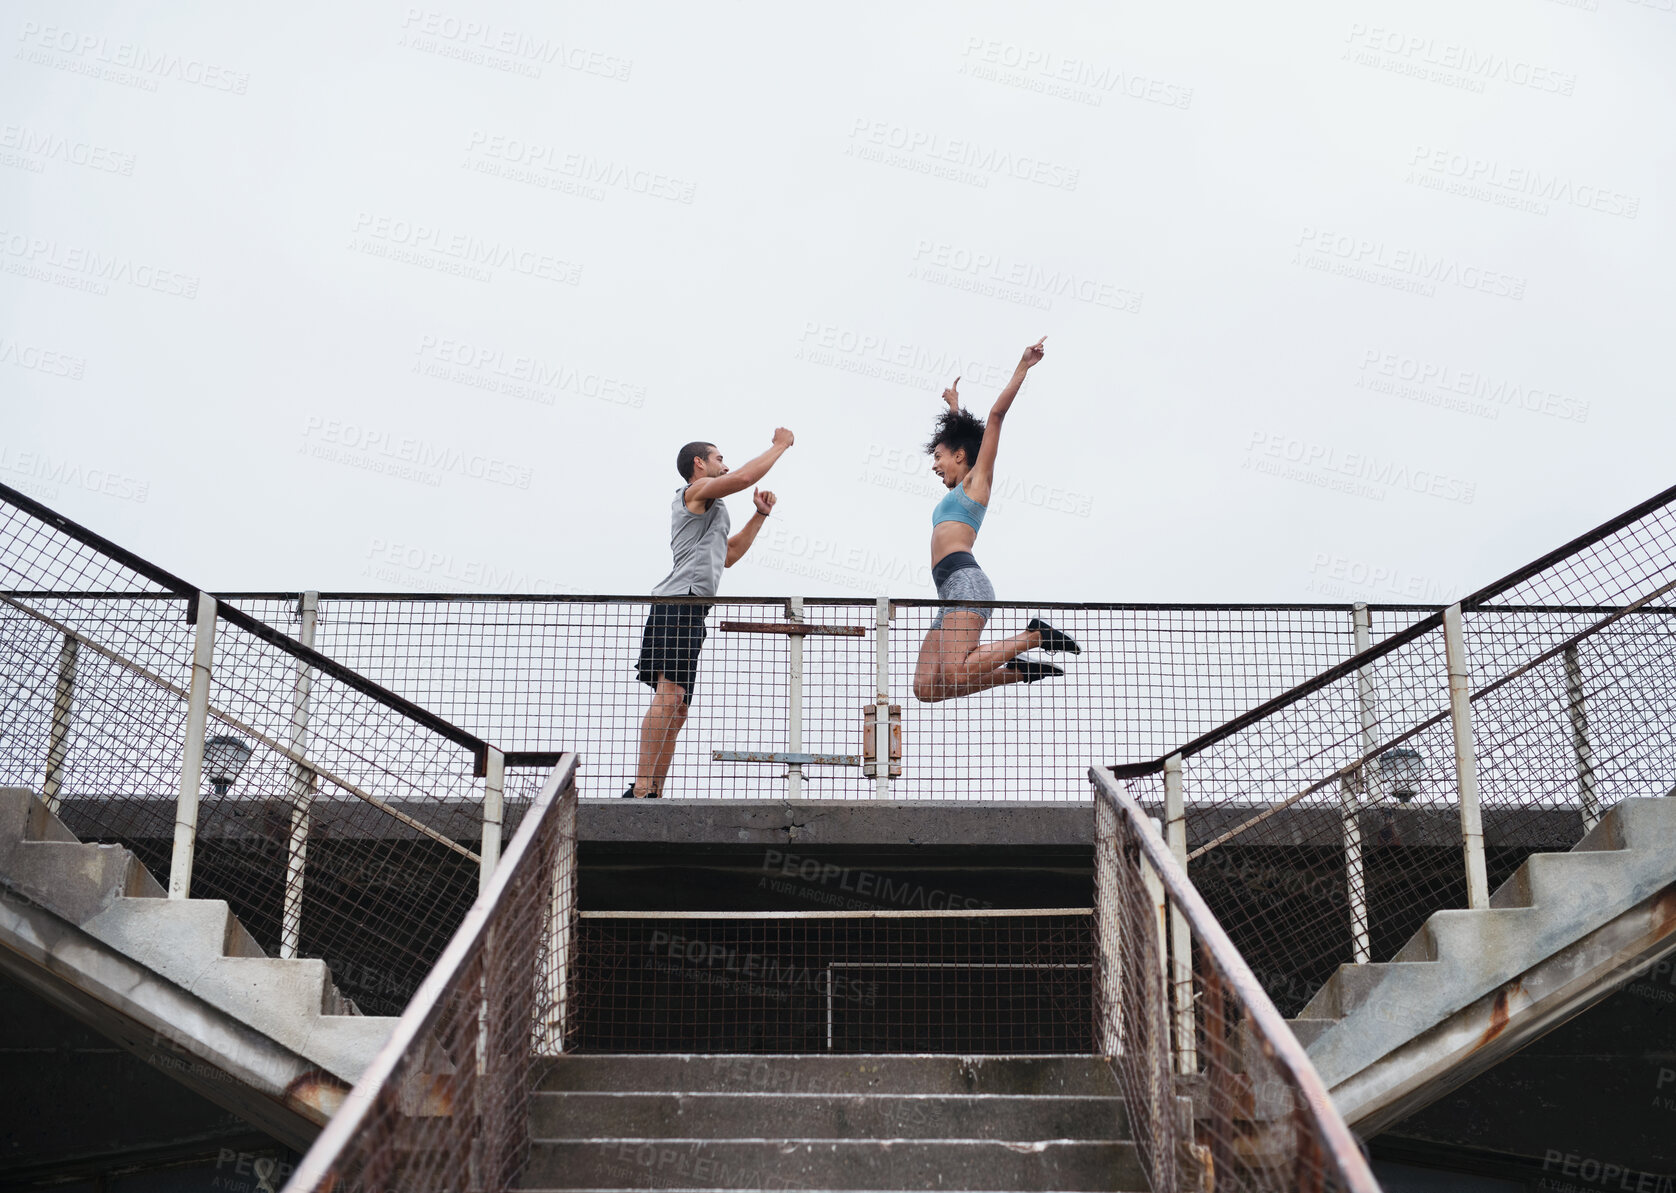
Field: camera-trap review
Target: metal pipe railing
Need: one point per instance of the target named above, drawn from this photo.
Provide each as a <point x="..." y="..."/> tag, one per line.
<point x="444" y="1104"/>
<point x="1225" y="1093"/>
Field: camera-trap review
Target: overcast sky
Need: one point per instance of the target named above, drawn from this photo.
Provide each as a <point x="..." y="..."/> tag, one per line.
<point x="1342" y="300"/>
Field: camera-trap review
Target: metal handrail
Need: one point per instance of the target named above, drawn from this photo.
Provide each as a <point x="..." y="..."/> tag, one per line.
<point x="1476" y="602"/>
<point x="178" y="588"/>
<point x="1279" y="1044"/>
<point x="429" y="1002"/>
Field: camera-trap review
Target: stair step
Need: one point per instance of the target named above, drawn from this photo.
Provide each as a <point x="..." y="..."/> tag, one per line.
<point x="1645" y="823"/>
<point x="1308" y="1031"/>
<point x="74" y="880"/>
<point x="177" y="938"/>
<point x="1354" y="985"/>
<point x="828" y="1074"/>
<point x="582" y="1116"/>
<point x="784" y="1163"/>
<point x="1559" y="877"/>
<point x="344" y="1045"/>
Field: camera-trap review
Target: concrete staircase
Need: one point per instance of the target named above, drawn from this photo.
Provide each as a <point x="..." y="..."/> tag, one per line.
<point x="1472" y="987"/>
<point x="829" y="1122"/>
<point x="178" y="982"/>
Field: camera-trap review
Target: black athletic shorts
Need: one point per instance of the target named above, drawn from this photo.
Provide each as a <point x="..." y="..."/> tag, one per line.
<point x="669" y="645"/>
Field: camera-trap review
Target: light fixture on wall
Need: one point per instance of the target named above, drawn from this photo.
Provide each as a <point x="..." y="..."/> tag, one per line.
<point x="224" y="759"/>
<point x="1400" y="772"/>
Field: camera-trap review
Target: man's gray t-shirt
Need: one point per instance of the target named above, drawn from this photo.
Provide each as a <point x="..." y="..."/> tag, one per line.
<point x="699" y="542"/>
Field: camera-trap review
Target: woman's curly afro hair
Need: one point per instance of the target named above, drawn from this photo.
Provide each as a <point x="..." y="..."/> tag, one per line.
<point x="958" y="430"/>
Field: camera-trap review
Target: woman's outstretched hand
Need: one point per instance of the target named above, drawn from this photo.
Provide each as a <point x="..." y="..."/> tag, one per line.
<point x="951" y="397"/>
<point x="1033" y="354"/>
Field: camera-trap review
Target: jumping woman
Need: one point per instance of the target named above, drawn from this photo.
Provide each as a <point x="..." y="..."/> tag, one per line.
<point x="951" y="663"/>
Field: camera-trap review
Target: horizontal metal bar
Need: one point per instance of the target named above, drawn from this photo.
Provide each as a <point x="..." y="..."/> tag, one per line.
<point x="798" y="628"/>
<point x="788" y="759"/>
<point x="531" y="758"/>
<point x="881" y="914"/>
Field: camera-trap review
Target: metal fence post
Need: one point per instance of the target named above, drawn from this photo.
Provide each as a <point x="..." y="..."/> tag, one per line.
<point x="1580" y="739"/>
<point x="302" y="789"/>
<point x="1181" y="943"/>
<point x="494" y="814"/>
<point x="794" y="732"/>
<point x="58" y="739"/>
<point x="881" y="730"/>
<point x="192" y="756"/>
<point x="1355" y="873"/>
<point x="1466" y="759"/>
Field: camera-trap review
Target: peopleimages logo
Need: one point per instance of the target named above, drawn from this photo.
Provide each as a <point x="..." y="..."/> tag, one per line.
<point x="1476" y="65"/>
<point x="1433" y="379"/>
<point x="1361" y="473"/>
<point x="1379" y="258"/>
<point x="1506" y="185"/>
<point x="423" y="244"/>
<point x="521" y="160"/>
<point x="994" y="275"/>
<point x="405" y="456"/>
<point x="147" y="65"/>
<point x="933" y="147"/>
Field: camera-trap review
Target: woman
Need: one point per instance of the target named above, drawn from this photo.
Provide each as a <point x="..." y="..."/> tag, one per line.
<point x="951" y="663"/>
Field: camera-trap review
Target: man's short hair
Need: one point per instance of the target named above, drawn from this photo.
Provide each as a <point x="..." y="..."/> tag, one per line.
<point x="684" y="462"/>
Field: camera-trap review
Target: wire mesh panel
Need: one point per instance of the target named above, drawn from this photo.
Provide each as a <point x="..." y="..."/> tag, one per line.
<point x="1327" y="826"/>
<point x="981" y="982"/>
<point x="1219" y="1094"/>
<point x="530" y="672"/>
<point x="445" y="1104"/>
<point x="335" y="819"/>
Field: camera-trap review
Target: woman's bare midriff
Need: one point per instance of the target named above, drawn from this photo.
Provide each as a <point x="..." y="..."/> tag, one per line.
<point x="949" y="537"/>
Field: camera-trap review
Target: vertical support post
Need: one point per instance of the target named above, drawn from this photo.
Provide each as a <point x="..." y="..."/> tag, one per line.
<point x="794" y="732"/>
<point x="58" y="738"/>
<point x="1181" y="943"/>
<point x="1355" y="875"/>
<point x="1161" y="908"/>
<point x="1580" y="739"/>
<point x="494" y="815"/>
<point x="1108" y="913"/>
<point x="560" y="941"/>
<point x="881" y="727"/>
<point x="1466" y="758"/>
<point x="302" y="788"/>
<point x="192" y="756"/>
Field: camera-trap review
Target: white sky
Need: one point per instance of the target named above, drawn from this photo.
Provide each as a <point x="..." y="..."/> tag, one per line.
<point x="719" y="218"/>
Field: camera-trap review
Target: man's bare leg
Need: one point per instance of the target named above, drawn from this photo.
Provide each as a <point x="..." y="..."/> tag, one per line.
<point x="658" y="731"/>
<point x="951" y="663"/>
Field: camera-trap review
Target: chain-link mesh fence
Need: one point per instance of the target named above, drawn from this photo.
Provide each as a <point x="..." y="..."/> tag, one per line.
<point x="537" y="674"/>
<point x="445" y="1104"/>
<point x="336" y="819"/>
<point x="1218" y="1093"/>
<point x="1327" y="826"/>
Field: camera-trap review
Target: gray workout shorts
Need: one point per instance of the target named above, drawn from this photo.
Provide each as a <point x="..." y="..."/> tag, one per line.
<point x="964" y="583"/>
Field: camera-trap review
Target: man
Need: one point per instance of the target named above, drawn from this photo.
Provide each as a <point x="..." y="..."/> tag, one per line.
<point x="670" y="643"/>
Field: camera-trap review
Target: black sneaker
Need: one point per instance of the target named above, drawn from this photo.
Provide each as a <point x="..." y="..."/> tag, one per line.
<point x="1032" y="670"/>
<point x="1053" y="639"/>
<point x="629" y="794"/>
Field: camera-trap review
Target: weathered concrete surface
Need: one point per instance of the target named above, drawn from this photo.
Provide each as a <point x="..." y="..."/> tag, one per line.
<point x="871" y="822"/>
<point x="178" y="982"/>
<point x="1473" y="986"/>
<point x="830" y="1122"/>
<point x="846" y="822"/>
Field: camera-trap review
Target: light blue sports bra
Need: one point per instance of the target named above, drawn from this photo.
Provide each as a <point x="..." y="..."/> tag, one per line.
<point x="957" y="507"/>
